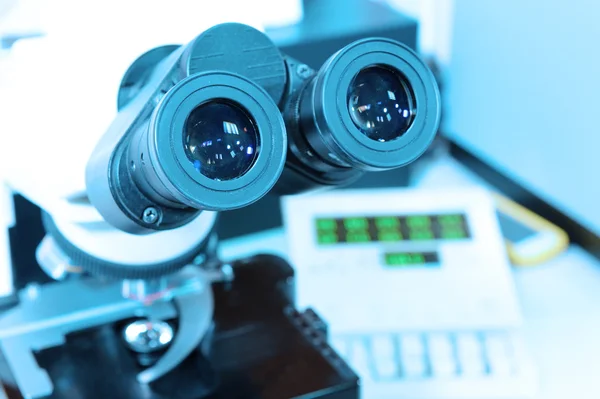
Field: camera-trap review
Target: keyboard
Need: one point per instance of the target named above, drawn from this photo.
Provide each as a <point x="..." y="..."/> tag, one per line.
<point x="417" y="365"/>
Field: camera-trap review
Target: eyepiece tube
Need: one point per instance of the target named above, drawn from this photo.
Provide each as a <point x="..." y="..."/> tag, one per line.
<point x="215" y="141"/>
<point x="373" y="106"/>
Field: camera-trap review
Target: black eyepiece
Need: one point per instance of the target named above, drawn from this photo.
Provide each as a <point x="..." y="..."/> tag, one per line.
<point x="360" y="110"/>
<point x="221" y="140"/>
<point x="215" y="141"/>
<point x="381" y="103"/>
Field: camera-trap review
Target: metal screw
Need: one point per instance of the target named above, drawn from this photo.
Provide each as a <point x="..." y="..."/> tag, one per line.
<point x="303" y="71"/>
<point x="32" y="291"/>
<point x="144" y="336"/>
<point x="150" y="215"/>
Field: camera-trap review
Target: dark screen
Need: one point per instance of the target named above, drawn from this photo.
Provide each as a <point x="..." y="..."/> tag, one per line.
<point x="393" y="228"/>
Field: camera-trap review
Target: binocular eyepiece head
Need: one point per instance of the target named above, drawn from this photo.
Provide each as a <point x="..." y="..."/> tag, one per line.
<point x="213" y="124"/>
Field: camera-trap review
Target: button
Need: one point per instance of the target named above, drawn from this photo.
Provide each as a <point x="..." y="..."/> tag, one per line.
<point x="440" y="346"/>
<point x="411" y="345"/>
<point x="498" y="353"/>
<point x="496" y="345"/>
<point x="468" y="346"/>
<point x="470" y="354"/>
<point x="387" y="368"/>
<point x="385" y="356"/>
<point x="441" y="355"/>
<point x="413" y="366"/>
<point x="443" y="367"/>
<point x="383" y="346"/>
<point x="472" y="367"/>
<point x="359" y="358"/>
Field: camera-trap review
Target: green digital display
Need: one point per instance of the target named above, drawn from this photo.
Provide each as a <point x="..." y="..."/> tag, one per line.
<point x="411" y="259"/>
<point x="366" y="229"/>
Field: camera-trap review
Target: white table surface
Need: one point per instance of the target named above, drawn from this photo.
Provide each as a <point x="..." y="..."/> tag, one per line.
<point x="560" y="301"/>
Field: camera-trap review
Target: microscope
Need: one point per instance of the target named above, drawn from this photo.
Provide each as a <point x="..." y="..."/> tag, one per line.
<point x="140" y="305"/>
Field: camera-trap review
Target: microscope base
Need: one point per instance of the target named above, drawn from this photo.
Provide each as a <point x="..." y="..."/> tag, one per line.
<point x="260" y="347"/>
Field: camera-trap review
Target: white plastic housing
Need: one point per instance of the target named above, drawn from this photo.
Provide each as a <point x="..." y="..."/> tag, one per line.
<point x="58" y="95"/>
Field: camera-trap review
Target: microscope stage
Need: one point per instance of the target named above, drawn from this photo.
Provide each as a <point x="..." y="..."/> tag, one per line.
<point x="260" y="347"/>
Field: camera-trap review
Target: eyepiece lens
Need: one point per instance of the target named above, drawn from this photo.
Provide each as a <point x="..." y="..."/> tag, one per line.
<point x="221" y="140"/>
<point x="381" y="103"/>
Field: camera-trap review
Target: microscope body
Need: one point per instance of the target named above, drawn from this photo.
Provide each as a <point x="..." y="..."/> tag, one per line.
<point x="141" y="305"/>
<point x="249" y="326"/>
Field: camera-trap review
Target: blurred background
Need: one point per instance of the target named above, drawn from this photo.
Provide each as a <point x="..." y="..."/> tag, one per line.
<point x="519" y="87"/>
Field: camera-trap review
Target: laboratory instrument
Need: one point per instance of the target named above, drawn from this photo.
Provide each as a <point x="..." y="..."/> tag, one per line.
<point x="139" y="297"/>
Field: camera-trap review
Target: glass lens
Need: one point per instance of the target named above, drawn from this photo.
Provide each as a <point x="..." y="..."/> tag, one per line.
<point x="381" y="103"/>
<point x="221" y="140"/>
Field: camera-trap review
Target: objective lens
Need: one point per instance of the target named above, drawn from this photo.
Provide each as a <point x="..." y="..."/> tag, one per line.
<point x="380" y="103"/>
<point x="221" y="140"/>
